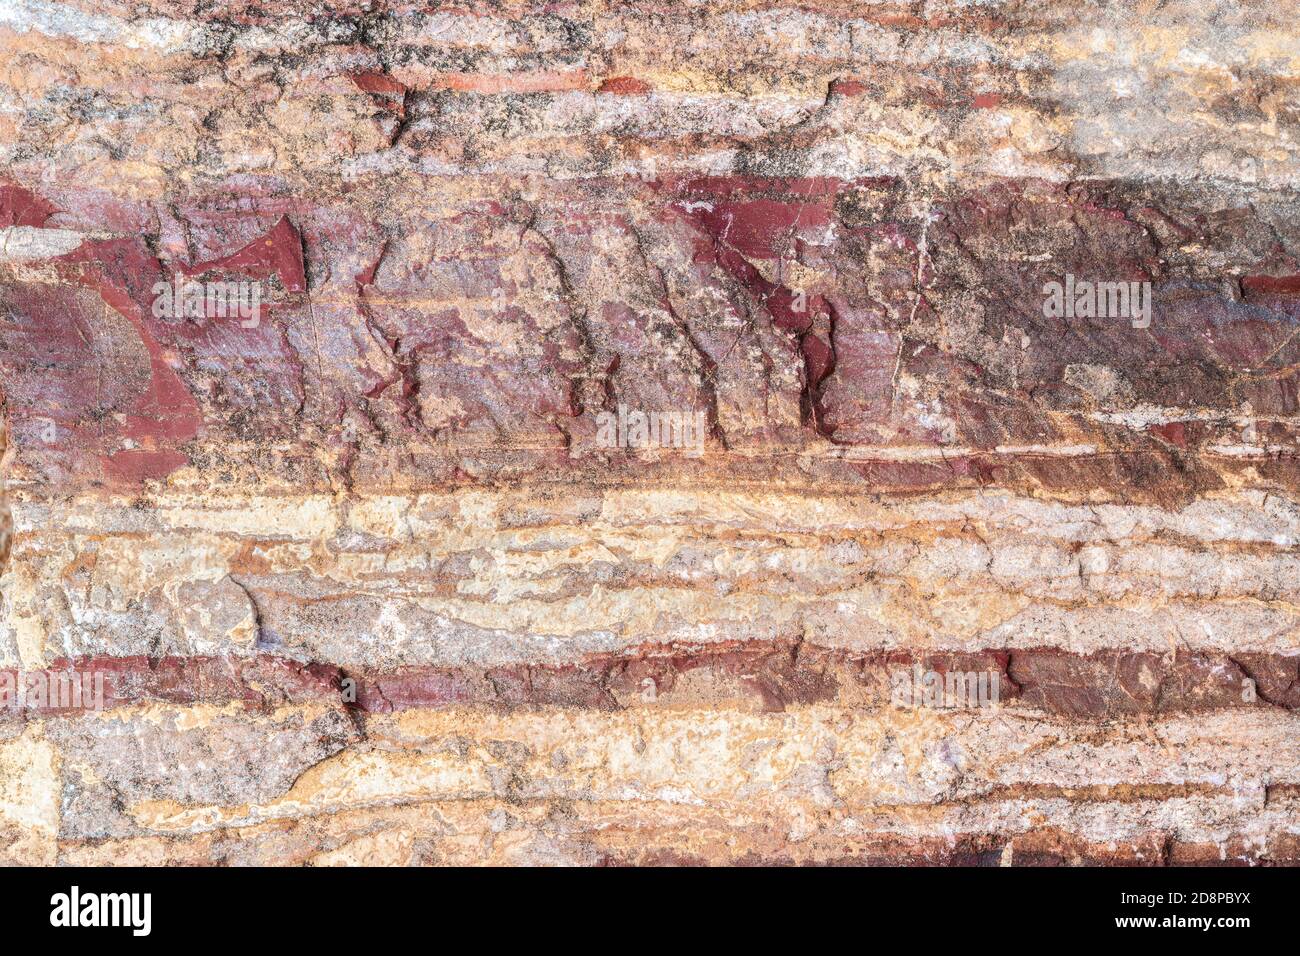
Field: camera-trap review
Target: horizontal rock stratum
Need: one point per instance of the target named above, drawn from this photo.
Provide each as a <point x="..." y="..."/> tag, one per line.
<point x="716" y="432"/>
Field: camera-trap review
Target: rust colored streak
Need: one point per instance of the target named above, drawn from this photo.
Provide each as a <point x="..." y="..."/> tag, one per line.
<point x="279" y="253"/>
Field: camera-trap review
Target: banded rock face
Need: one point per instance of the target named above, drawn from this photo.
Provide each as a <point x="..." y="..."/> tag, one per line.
<point x="362" y="576"/>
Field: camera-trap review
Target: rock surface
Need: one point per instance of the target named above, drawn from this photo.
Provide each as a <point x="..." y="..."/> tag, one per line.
<point x="364" y="579"/>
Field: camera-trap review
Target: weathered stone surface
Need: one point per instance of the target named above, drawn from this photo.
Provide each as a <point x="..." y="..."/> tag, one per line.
<point x="365" y="581"/>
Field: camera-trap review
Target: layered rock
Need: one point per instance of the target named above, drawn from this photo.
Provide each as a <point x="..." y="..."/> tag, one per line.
<point x="363" y="578"/>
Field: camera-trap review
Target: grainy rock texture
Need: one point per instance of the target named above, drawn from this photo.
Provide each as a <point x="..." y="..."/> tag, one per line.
<point x="364" y="579"/>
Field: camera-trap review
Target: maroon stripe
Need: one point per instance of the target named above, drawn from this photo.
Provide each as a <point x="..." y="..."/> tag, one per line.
<point x="1202" y="335"/>
<point x="1046" y="846"/>
<point x="763" y="676"/>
